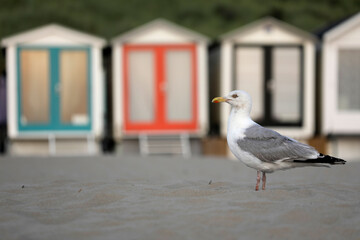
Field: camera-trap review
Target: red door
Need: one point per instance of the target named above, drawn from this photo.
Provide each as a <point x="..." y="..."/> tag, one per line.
<point x="160" y="88"/>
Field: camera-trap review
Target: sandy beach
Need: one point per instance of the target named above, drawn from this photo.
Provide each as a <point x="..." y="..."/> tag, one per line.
<point x="130" y="197"/>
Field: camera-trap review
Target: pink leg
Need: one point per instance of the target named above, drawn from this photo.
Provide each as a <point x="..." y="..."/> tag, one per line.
<point x="263" y="181"/>
<point x="257" y="181"/>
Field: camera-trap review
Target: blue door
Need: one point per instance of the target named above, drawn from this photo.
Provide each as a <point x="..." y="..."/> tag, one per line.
<point x="54" y="89"/>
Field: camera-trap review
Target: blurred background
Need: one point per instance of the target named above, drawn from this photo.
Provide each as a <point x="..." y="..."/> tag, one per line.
<point x="90" y="77"/>
<point x="212" y="18"/>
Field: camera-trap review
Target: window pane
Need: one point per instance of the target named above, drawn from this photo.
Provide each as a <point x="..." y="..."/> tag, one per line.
<point x="286" y="84"/>
<point x="178" y="89"/>
<point x="73" y="87"/>
<point x="34" y="86"/>
<point x="141" y="84"/>
<point x="349" y="79"/>
<point x="250" y="77"/>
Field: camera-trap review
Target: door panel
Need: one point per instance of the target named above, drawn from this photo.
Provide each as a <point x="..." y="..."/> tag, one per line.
<point x="250" y="77"/>
<point x="178" y="86"/>
<point x="272" y="75"/>
<point x="54" y="87"/>
<point x="141" y="87"/>
<point x="73" y="87"/>
<point x="286" y="84"/>
<point x="34" y="87"/>
<point x="159" y="88"/>
<point x="349" y="80"/>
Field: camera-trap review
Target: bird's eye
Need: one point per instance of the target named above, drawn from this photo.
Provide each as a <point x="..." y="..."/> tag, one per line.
<point x="234" y="95"/>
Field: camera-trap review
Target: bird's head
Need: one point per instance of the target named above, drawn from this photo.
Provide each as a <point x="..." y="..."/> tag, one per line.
<point x="238" y="99"/>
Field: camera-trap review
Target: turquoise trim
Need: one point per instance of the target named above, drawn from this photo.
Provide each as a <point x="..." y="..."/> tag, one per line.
<point x="54" y="81"/>
<point x="54" y="78"/>
<point x="89" y="98"/>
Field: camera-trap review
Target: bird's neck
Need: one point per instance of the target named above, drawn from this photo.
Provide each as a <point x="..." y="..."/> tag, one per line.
<point x="239" y="119"/>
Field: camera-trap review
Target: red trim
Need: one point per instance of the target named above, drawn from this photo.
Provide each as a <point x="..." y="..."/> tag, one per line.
<point x="160" y="79"/>
<point x="126" y="86"/>
<point x="160" y="123"/>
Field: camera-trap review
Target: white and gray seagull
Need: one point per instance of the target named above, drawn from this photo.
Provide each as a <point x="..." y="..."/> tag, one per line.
<point x="264" y="149"/>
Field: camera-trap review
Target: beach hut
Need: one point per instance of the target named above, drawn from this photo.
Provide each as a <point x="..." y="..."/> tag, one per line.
<point x="160" y="83"/>
<point x="55" y="91"/>
<point x="275" y="63"/>
<point x="341" y="88"/>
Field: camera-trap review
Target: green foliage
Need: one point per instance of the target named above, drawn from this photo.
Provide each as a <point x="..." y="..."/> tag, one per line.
<point x="108" y="18"/>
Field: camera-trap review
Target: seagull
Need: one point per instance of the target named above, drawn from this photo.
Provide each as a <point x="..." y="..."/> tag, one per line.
<point x="264" y="149"/>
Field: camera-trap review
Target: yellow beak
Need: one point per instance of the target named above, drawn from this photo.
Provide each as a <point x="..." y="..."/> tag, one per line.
<point x="219" y="99"/>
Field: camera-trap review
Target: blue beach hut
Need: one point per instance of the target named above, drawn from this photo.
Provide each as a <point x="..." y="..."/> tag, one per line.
<point x="55" y="89"/>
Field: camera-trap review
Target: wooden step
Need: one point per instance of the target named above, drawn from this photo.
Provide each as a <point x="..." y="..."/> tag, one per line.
<point x="165" y="145"/>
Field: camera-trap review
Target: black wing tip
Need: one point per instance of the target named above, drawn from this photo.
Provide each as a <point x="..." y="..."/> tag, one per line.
<point x="337" y="161"/>
<point x="333" y="160"/>
<point x="340" y="161"/>
<point x="324" y="159"/>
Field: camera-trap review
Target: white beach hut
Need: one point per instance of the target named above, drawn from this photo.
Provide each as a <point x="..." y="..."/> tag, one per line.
<point x="275" y="63"/>
<point x="160" y="82"/>
<point x="55" y="91"/>
<point x="341" y="88"/>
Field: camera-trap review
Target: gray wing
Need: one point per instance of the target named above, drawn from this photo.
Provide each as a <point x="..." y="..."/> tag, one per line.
<point x="269" y="146"/>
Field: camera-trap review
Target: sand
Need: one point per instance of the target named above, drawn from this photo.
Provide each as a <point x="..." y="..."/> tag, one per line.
<point x="129" y="197"/>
